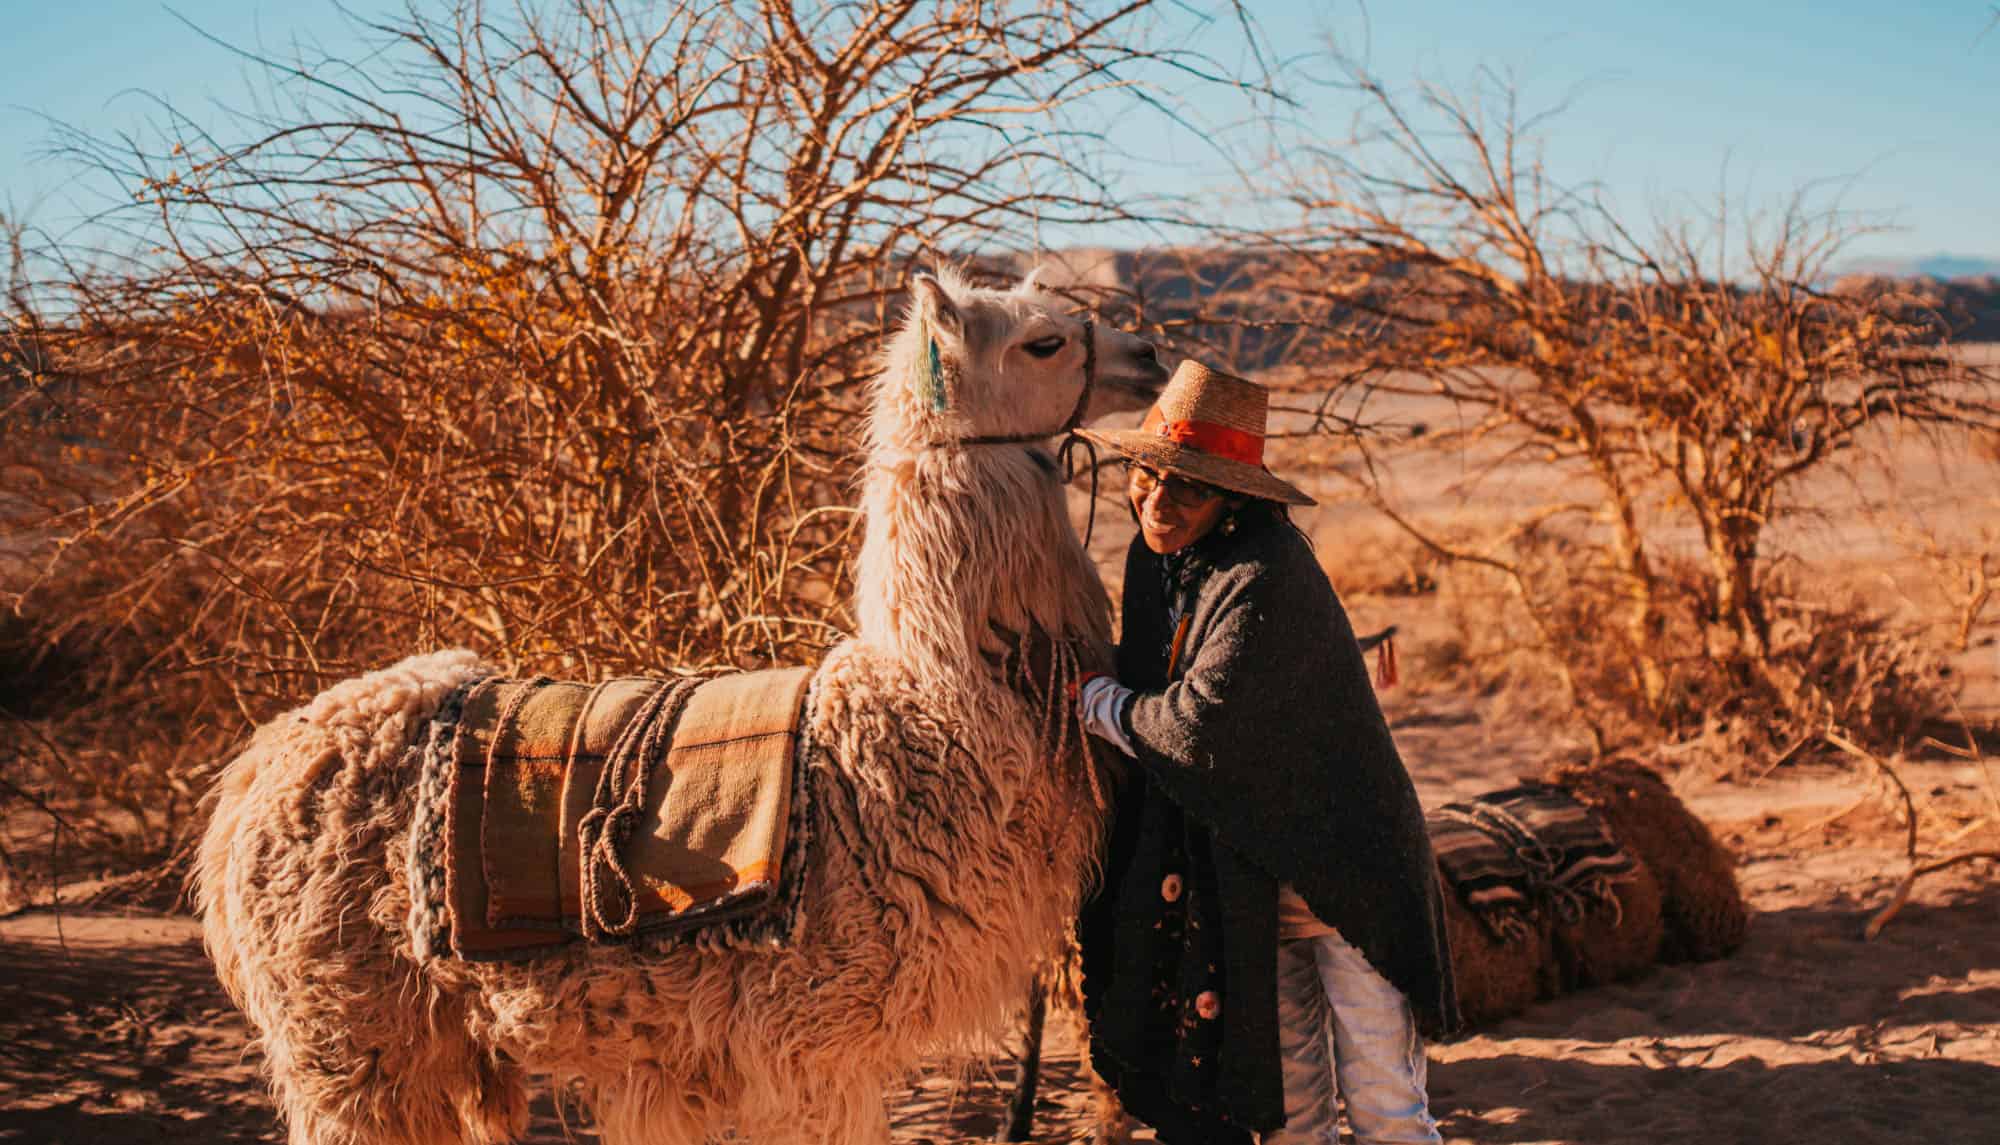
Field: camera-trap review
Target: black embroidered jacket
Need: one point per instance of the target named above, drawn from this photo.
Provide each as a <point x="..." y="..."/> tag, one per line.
<point x="1265" y="760"/>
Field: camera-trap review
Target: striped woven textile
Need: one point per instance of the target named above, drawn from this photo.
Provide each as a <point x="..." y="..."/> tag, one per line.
<point x="1514" y="855"/>
<point x="637" y="810"/>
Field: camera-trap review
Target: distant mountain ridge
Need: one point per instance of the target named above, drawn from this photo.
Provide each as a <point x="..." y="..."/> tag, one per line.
<point x="1940" y="266"/>
<point x="1221" y="291"/>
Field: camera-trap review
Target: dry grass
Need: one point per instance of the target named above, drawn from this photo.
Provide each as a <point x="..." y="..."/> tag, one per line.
<point x="559" y="358"/>
<point x="1642" y="414"/>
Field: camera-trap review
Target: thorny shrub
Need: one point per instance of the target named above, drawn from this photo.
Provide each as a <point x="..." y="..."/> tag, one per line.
<point x="542" y="331"/>
<point x="1844" y="665"/>
<point x="1666" y="383"/>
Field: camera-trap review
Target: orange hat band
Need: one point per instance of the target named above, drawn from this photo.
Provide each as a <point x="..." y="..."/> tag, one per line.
<point x="1208" y="437"/>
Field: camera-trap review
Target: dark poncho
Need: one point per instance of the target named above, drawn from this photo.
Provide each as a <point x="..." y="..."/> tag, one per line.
<point x="1266" y="760"/>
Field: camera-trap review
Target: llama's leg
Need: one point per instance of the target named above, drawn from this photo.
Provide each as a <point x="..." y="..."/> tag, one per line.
<point x="863" y="1118"/>
<point x="405" y="1073"/>
<point x="637" y="1109"/>
<point x="1109" y="1123"/>
<point x="851" y="1115"/>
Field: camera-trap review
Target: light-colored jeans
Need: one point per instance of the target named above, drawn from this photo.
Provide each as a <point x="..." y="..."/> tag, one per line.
<point x="1339" y="1020"/>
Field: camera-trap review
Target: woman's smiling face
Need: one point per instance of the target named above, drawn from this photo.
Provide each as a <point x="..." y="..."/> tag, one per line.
<point x="1173" y="512"/>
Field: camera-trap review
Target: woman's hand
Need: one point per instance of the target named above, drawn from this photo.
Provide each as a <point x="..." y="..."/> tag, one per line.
<point x="1101" y="703"/>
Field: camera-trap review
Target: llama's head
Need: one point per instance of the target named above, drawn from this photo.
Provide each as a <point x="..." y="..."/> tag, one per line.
<point x="968" y="533"/>
<point x="979" y="363"/>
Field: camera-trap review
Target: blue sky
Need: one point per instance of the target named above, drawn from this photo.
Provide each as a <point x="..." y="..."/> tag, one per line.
<point x="1896" y="105"/>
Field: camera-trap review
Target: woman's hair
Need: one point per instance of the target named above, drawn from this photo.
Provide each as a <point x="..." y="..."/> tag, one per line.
<point x="1258" y="510"/>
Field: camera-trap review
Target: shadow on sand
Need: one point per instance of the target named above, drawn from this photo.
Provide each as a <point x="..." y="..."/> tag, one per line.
<point x="1807" y="1035"/>
<point x="129" y="1043"/>
<point x="1747" y="1102"/>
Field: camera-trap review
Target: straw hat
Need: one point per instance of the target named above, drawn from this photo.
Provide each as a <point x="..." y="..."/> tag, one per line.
<point x="1208" y="426"/>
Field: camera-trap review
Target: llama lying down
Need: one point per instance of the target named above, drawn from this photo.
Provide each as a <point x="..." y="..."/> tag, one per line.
<point x="950" y="832"/>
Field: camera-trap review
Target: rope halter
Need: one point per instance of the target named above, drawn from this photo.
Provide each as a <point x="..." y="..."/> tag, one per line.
<point x="1065" y="454"/>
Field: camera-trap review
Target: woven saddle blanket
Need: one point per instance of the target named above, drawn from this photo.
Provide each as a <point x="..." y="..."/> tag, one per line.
<point x="1513" y="854"/>
<point x="552" y="812"/>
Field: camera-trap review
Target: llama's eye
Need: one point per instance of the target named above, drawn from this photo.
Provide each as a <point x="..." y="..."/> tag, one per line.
<point x="1044" y="347"/>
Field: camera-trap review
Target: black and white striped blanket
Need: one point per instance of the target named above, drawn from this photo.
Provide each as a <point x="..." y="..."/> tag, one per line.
<point x="1512" y="854"/>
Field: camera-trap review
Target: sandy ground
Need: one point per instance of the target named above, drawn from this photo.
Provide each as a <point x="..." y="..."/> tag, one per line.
<point x="112" y="1028"/>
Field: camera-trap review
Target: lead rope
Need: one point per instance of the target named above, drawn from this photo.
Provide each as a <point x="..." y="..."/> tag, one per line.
<point x="1072" y="440"/>
<point x="1055" y="696"/>
<point x="617" y="805"/>
<point x="1066" y="457"/>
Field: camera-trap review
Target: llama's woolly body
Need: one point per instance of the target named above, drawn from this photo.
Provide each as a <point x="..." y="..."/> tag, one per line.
<point x="947" y="855"/>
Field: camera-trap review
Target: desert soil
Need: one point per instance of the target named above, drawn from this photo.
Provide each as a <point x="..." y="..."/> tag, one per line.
<point x="113" y="1029"/>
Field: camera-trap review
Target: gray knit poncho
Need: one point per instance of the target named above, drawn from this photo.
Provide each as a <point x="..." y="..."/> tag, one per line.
<point x="1265" y="760"/>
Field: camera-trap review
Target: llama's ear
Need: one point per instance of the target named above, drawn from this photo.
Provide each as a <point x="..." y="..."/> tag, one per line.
<point x="934" y="304"/>
<point x="1031" y="282"/>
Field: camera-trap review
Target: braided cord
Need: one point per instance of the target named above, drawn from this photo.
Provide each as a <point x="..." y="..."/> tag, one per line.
<point x="617" y="805"/>
<point x="1539" y="860"/>
<point x="1052" y="696"/>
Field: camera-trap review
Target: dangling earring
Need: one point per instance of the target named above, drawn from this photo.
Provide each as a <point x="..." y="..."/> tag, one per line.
<point x="1228" y="527"/>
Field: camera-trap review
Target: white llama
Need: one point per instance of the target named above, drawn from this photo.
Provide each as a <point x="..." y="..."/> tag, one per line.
<point x="946" y="852"/>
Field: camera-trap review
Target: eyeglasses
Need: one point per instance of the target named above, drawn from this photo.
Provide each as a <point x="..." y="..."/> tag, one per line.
<point x="1180" y="492"/>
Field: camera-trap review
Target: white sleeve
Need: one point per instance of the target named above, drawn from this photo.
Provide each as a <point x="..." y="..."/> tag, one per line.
<point x="1103" y="701"/>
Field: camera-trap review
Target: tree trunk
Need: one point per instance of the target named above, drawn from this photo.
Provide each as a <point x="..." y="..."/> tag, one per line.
<point x="1739" y="600"/>
<point x="1642" y="617"/>
<point x="1739" y="606"/>
<point x="1628" y="552"/>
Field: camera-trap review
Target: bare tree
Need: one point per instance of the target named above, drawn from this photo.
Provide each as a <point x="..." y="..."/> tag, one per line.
<point x="539" y="329"/>
<point x="1434" y="257"/>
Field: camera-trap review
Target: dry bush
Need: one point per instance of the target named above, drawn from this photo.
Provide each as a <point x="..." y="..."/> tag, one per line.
<point x="1672" y="388"/>
<point x="541" y="331"/>
<point x="1524" y="614"/>
<point x="1963" y="560"/>
<point x="1541" y="615"/>
<point x="1369" y="559"/>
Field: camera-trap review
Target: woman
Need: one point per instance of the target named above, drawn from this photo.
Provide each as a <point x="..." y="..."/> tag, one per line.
<point x="1269" y="892"/>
